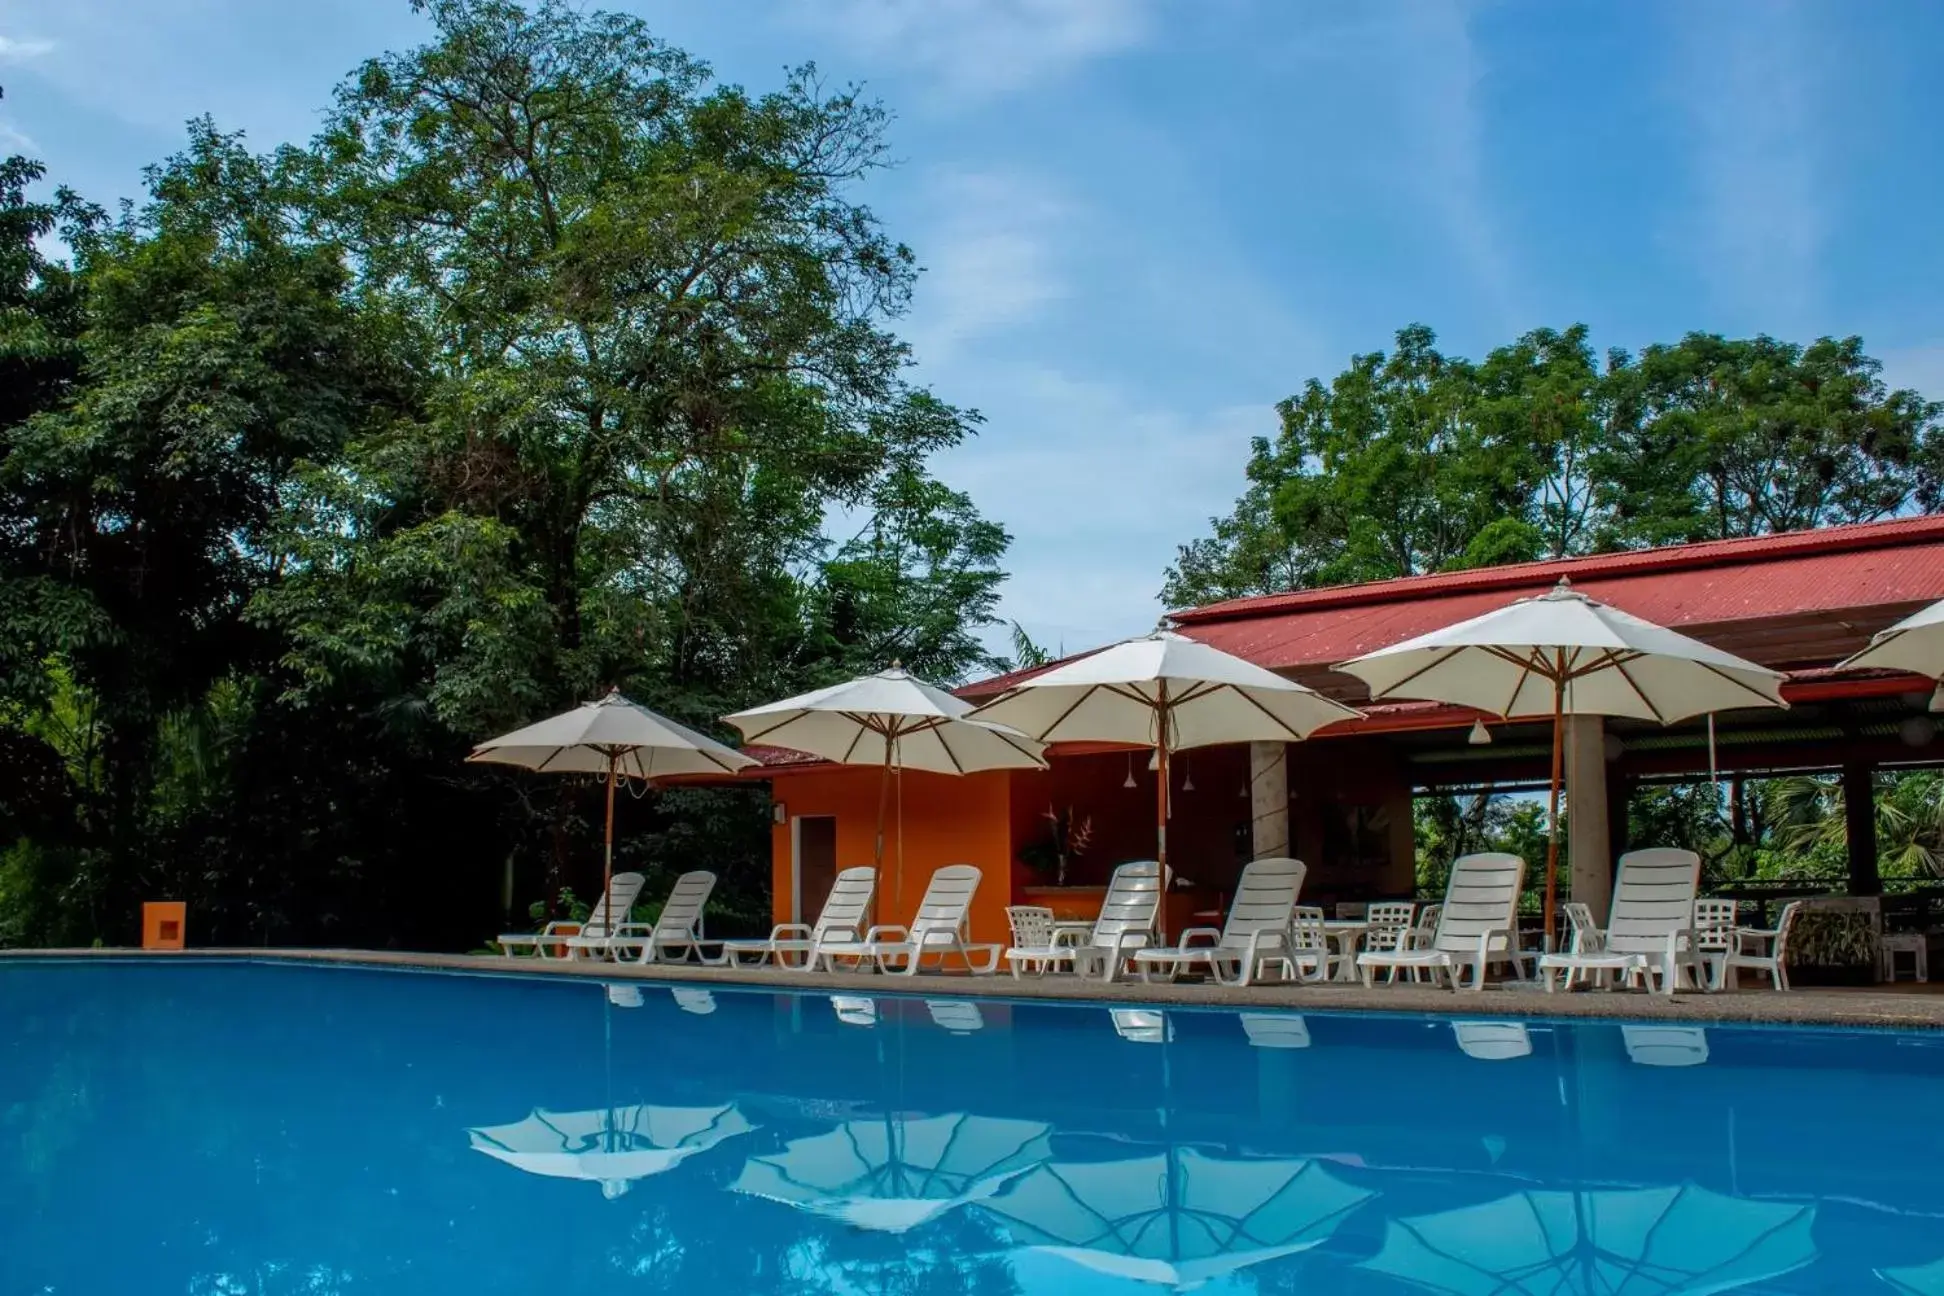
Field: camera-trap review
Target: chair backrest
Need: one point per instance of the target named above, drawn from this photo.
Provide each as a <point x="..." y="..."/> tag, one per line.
<point x="1391" y="913"/>
<point x="1714" y="923"/>
<point x="1032" y="925"/>
<point x="624" y="995"/>
<point x="682" y="915"/>
<point x="1482" y="896"/>
<point x="948" y="898"/>
<point x="1427" y="919"/>
<point x="1306" y="930"/>
<point x="1652" y="896"/>
<point x="1783" y="925"/>
<point x="1585" y="934"/>
<point x="691" y="1000"/>
<point x="1265" y="895"/>
<point x="622" y="889"/>
<point x="1133" y="899"/>
<point x="849" y="902"/>
<point x="855" y="1010"/>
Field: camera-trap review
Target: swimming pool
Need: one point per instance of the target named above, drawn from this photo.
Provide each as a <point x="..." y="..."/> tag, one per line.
<point x="259" y="1128"/>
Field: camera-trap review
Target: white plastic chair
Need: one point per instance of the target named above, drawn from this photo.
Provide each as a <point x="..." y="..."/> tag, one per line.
<point x="1651" y="928"/>
<point x="1760" y="949"/>
<point x="623" y="888"/>
<point x="1390" y="924"/>
<point x="835" y="935"/>
<point x="677" y="929"/>
<point x="938" y="929"/>
<point x="1666" y="1046"/>
<point x="1309" y="943"/>
<point x="1478" y="925"/>
<point x="1255" y="934"/>
<point x="1035" y="927"/>
<point x="1125" y="924"/>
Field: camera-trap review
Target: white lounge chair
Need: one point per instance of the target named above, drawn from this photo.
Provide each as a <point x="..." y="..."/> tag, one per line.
<point x="623" y="995"/>
<point x="1275" y="1030"/>
<point x="1665" y="1046"/>
<point x="1651" y="927"/>
<point x="836" y="934"/>
<point x="1760" y="949"/>
<point x="855" y="1010"/>
<point x="1035" y="927"/>
<point x="1493" y="1041"/>
<point x="1125" y="924"/>
<point x="1255" y="935"/>
<point x="622" y="890"/>
<point x="1478" y="925"/>
<point x="677" y="930"/>
<point x="938" y="929"/>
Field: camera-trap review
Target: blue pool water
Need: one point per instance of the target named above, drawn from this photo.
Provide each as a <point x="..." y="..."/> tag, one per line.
<point x="215" y="1130"/>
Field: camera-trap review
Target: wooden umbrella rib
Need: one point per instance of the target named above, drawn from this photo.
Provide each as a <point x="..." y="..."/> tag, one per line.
<point x="1044" y="734"/>
<point x="1295" y="734"/>
<point x="1620" y="666"/>
<point x="1745" y="687"/>
<point x="1425" y="669"/>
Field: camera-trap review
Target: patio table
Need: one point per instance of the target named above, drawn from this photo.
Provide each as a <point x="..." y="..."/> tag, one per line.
<point x="1346" y="932"/>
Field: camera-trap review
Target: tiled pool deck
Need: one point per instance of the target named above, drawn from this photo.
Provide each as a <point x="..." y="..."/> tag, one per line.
<point x="1905" y="1005"/>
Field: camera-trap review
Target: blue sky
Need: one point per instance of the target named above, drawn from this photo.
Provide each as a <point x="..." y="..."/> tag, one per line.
<point x="1144" y="222"/>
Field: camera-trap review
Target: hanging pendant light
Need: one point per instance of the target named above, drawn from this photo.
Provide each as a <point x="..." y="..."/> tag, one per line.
<point x="1480" y="735"/>
<point x="1937" y="697"/>
<point x="1187" y="776"/>
<point x="1130" y="771"/>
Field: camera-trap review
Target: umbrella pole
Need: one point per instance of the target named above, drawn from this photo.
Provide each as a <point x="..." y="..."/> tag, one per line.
<point x="877" y="856"/>
<point x="607" y="874"/>
<point x="1161" y="806"/>
<point x="1552" y="811"/>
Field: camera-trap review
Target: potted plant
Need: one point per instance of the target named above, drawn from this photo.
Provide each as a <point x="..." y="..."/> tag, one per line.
<point x="1834" y="942"/>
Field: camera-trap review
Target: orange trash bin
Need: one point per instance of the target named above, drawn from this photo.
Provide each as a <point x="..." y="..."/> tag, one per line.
<point x="162" y="924"/>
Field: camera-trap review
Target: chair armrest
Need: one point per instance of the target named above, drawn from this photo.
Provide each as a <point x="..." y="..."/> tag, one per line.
<point x="883" y="933"/>
<point x="1214" y="935"/>
<point x="1069" y="937"/>
<point x="1761" y="935"/>
<point x="792" y="931"/>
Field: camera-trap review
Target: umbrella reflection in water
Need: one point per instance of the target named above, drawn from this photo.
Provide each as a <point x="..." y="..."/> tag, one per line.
<point x="1681" y="1241"/>
<point x="609" y="1146"/>
<point x="1180" y="1218"/>
<point x="894" y="1174"/>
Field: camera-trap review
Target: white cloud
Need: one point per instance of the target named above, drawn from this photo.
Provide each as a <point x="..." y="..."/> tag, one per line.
<point x="978" y="48"/>
<point x="16" y="49"/>
<point x="990" y="258"/>
<point x="13" y="139"/>
<point x="1749" y="82"/>
<point x="1098" y="484"/>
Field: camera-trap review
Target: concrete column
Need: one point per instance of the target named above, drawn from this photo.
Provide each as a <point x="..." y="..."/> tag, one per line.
<point x="1587" y="841"/>
<point x="1269" y="799"/>
<point x="1859" y="823"/>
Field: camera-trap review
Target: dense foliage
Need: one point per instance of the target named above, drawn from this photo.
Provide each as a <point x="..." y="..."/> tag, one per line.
<point x="1415" y="461"/>
<point x="550" y="365"/>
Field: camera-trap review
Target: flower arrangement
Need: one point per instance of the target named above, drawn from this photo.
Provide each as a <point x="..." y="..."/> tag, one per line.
<point x="1068" y="837"/>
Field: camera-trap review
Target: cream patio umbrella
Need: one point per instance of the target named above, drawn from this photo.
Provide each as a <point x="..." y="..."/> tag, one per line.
<point x="610" y="1146"/>
<point x="892" y="1175"/>
<point x="893" y="720"/>
<point x="1560" y="654"/>
<point x="615" y="738"/>
<point x="1914" y="644"/>
<point x="1674" y="1241"/>
<point x="1179" y="1218"/>
<point x="1164" y="691"/>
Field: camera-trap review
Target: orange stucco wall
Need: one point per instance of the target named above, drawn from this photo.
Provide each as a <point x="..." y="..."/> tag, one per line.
<point x="946" y="821"/>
